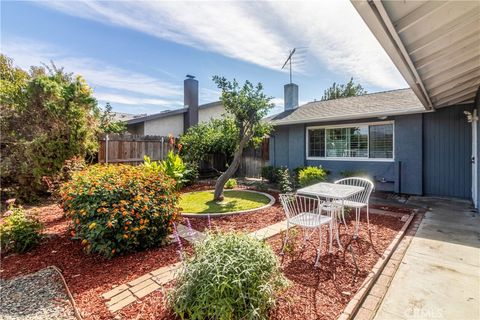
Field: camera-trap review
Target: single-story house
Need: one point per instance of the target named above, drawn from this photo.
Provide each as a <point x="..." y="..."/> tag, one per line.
<point x="176" y="122"/>
<point x="389" y="136"/>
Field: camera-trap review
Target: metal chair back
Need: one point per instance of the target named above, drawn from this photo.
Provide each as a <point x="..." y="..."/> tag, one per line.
<point x="295" y="204"/>
<point x="361" y="197"/>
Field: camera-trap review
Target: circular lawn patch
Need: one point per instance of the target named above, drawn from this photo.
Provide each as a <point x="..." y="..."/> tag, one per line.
<point x="200" y="203"/>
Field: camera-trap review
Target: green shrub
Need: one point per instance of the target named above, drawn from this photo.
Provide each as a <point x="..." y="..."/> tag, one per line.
<point x="311" y="175"/>
<point x="231" y="183"/>
<point x="231" y="276"/>
<point x="262" y="187"/>
<point x="269" y="173"/>
<point x="190" y="175"/>
<point x="284" y="180"/>
<point x="19" y="232"/>
<point x="120" y="208"/>
<point x="173" y="166"/>
<point x="47" y="117"/>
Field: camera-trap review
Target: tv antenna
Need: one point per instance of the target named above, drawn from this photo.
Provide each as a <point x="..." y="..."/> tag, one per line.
<point x="300" y="53"/>
<point x="289" y="60"/>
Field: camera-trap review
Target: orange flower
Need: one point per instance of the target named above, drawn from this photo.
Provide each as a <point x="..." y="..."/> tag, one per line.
<point x="109" y="224"/>
<point x="125" y="236"/>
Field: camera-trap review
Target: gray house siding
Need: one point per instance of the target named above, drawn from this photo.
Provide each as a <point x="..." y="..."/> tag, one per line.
<point x="280" y="147"/>
<point x="447" y="151"/>
<point x="288" y="149"/>
<point x="408" y="154"/>
<point x="431" y="154"/>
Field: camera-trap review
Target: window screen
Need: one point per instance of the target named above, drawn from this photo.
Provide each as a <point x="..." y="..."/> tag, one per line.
<point x="381" y="141"/>
<point x="316" y="143"/>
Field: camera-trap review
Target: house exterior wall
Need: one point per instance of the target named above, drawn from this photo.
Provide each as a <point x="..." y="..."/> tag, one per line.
<point x="165" y="126"/>
<point x="402" y="174"/>
<point x="447" y="152"/>
<point x="136" y="129"/>
<point x="432" y="153"/>
<point x="205" y="114"/>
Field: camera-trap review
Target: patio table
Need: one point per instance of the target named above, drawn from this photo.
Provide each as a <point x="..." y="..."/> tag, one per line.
<point x="332" y="192"/>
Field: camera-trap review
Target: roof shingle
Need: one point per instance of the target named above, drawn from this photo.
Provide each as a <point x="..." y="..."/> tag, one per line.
<point x="395" y="102"/>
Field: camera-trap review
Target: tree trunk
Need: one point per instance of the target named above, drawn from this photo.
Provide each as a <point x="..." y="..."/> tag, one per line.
<point x="220" y="184"/>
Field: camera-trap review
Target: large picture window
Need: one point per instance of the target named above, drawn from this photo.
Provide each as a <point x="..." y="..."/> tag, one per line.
<point x="355" y="142"/>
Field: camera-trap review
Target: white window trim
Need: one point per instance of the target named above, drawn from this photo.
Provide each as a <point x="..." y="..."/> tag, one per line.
<point x="351" y="125"/>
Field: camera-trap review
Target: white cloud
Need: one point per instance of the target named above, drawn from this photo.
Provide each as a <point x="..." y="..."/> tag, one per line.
<point x="209" y="95"/>
<point x="98" y="73"/>
<point x="133" y="100"/>
<point x="256" y="32"/>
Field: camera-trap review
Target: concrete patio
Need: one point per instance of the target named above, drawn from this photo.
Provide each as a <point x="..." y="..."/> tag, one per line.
<point x="439" y="276"/>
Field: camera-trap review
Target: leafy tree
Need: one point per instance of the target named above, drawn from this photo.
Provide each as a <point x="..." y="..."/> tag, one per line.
<point x="351" y="89"/>
<point x="47" y="117"/>
<point x="108" y="124"/>
<point x="216" y="136"/>
<point x="247" y="105"/>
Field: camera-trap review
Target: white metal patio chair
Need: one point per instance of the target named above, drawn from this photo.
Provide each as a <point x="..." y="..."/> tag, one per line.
<point x="306" y="213"/>
<point x="359" y="200"/>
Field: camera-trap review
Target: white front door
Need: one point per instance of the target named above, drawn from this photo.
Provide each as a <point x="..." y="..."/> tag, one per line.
<point x="474" y="159"/>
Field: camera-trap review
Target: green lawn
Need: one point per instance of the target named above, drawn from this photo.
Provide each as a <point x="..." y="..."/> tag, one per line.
<point x="234" y="200"/>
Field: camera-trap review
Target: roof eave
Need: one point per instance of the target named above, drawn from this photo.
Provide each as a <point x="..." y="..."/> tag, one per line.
<point x="351" y="117"/>
<point x="377" y="19"/>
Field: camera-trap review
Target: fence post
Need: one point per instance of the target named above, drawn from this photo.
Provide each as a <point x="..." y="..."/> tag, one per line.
<point x="106" y="148"/>
<point x="162" y="156"/>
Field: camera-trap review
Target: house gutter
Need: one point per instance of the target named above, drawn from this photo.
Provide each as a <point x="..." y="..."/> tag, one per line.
<point x="376" y="17"/>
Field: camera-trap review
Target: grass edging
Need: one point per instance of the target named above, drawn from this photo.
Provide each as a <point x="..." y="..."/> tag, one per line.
<point x="221" y="214"/>
<point x="356" y="302"/>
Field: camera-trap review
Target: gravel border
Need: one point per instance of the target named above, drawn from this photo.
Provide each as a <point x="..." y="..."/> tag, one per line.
<point x="40" y="295"/>
<point x="222" y="214"/>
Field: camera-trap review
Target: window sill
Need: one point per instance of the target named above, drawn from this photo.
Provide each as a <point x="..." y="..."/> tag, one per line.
<point x="352" y="159"/>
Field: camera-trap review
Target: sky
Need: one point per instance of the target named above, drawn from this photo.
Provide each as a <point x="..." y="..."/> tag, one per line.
<point x="135" y="55"/>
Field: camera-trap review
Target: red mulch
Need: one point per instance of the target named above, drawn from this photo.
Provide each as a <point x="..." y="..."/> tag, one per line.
<point x="323" y="293"/>
<point x="88" y="276"/>
<point x="314" y="293"/>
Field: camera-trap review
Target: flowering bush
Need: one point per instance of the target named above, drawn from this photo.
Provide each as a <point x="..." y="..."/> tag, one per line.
<point x="119" y="208"/>
<point x="19" y="232"/>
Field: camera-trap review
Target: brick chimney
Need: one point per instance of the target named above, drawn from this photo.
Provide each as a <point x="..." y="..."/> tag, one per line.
<point x="190" y="101"/>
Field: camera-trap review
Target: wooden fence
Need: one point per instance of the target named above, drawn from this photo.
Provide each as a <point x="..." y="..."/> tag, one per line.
<point x="253" y="160"/>
<point x="132" y="148"/>
<point x="115" y="148"/>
